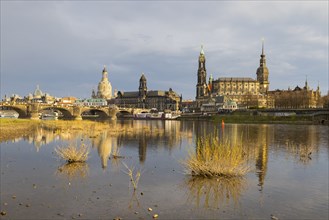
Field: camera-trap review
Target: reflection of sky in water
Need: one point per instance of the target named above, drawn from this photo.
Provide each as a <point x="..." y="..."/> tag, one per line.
<point x="279" y="184"/>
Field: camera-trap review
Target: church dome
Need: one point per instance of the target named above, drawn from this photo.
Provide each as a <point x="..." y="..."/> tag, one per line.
<point x="37" y="92"/>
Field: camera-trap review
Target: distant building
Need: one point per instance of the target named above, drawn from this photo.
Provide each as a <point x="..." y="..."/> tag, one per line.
<point x="104" y="87"/>
<point x="144" y="98"/>
<point x="244" y="91"/>
<point x="37" y="97"/>
<point x="91" y="102"/>
<point x="40" y="97"/>
<point x="297" y="98"/>
<point x="70" y="100"/>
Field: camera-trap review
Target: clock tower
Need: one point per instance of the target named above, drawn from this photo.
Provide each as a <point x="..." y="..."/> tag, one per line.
<point x="201" y="87"/>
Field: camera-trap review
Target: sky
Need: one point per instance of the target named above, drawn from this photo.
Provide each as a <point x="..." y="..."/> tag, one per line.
<point x="62" y="46"/>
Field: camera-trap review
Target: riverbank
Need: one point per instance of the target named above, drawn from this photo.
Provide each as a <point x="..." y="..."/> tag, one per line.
<point x="260" y="119"/>
<point x="15" y="128"/>
<point x="248" y="118"/>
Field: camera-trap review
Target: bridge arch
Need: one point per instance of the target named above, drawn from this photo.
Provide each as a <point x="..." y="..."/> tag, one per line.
<point x="21" y="110"/>
<point x="66" y="113"/>
<point x="94" y="111"/>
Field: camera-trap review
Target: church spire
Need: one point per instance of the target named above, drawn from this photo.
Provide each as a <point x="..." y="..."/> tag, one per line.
<point x="262" y="72"/>
<point x="318" y="88"/>
<point x="306" y="84"/>
<point x="262" y="56"/>
<point x="201" y="52"/>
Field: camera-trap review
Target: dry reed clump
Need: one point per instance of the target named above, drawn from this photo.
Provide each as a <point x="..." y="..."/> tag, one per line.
<point x="134" y="179"/>
<point x="73" y="153"/>
<point x="215" y="158"/>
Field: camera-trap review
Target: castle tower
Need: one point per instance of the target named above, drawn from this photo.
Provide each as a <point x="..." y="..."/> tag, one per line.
<point x="104" y="86"/>
<point x="201" y="87"/>
<point x="262" y="73"/>
<point x="142" y="90"/>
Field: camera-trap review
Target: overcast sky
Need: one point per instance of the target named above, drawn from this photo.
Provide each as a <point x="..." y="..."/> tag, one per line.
<point x="62" y="46"/>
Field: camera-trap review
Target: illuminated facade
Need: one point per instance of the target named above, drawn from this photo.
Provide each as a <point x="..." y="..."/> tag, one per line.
<point x="244" y="91"/>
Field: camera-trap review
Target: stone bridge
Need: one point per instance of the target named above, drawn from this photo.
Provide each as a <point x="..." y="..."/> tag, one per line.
<point x="33" y="110"/>
<point x="322" y="117"/>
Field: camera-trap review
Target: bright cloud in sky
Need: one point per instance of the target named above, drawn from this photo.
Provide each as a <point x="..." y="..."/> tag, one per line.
<point x="62" y="46"/>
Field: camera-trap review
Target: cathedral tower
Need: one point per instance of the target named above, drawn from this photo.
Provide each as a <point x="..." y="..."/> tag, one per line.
<point x="262" y="73"/>
<point x="201" y="87"/>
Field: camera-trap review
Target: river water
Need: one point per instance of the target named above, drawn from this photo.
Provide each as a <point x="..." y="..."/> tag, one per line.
<point x="288" y="179"/>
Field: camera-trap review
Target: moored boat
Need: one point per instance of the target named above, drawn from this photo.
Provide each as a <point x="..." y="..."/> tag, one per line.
<point x="8" y="114"/>
<point x="143" y="115"/>
<point x="171" y="116"/>
<point x="49" y="116"/>
<point x="155" y="115"/>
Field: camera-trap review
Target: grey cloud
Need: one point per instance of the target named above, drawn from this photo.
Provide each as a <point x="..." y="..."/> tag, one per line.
<point x="64" y="45"/>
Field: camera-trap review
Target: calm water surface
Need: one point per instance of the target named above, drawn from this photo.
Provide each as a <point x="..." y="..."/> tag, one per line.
<point x="284" y="181"/>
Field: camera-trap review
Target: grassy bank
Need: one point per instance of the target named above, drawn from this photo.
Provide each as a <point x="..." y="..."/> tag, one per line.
<point x="15" y="128"/>
<point x="240" y="118"/>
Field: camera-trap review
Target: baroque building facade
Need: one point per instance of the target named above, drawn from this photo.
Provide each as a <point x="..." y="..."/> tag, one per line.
<point x="297" y="98"/>
<point x="147" y="99"/>
<point x="104" y="89"/>
<point x="245" y="91"/>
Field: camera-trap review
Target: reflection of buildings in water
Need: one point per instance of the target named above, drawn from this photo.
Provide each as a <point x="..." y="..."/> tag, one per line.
<point x="255" y="140"/>
<point x="104" y="144"/>
<point x="142" y="145"/>
<point x="305" y="135"/>
<point x="214" y="192"/>
<point x="41" y="137"/>
<point x="301" y="143"/>
<point x="261" y="164"/>
<point x="263" y="140"/>
<point x="312" y="139"/>
<point x="155" y="133"/>
<point x="172" y="133"/>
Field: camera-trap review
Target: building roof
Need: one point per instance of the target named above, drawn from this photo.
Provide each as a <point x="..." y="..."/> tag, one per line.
<point x="239" y="79"/>
<point x="130" y="94"/>
<point x="156" y="93"/>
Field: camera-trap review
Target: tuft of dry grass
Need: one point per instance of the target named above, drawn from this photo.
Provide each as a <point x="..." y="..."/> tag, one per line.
<point x="73" y="153"/>
<point x="134" y="178"/>
<point x="214" y="158"/>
